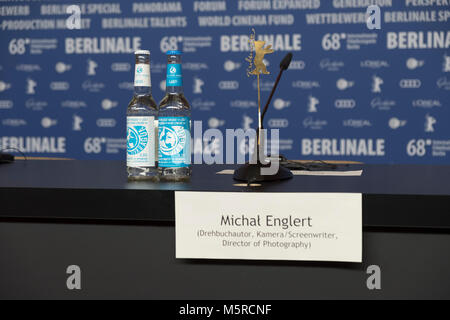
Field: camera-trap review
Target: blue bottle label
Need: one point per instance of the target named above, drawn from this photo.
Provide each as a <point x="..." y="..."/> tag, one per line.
<point x="174" y="78"/>
<point x="174" y="142"/>
<point x="140" y="142"/>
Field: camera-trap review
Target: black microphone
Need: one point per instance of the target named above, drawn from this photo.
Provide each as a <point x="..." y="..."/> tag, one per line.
<point x="284" y="65"/>
<point x="6" y="158"/>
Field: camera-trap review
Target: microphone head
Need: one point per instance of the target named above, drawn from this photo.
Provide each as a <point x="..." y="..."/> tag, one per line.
<point x="284" y="64"/>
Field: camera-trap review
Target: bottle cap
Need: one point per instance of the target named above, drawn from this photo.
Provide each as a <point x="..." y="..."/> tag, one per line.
<point x="142" y="52"/>
<point x="173" y="52"/>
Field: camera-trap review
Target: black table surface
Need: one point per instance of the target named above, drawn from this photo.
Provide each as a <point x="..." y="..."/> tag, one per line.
<point x="393" y="195"/>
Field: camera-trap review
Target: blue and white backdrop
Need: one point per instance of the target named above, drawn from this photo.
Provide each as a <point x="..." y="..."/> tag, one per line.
<point x="378" y="96"/>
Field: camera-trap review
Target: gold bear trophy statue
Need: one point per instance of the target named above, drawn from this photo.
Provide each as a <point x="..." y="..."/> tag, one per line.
<point x="253" y="171"/>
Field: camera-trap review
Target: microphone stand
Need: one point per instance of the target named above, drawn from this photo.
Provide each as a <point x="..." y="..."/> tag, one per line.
<point x="270" y="97"/>
<point x="251" y="172"/>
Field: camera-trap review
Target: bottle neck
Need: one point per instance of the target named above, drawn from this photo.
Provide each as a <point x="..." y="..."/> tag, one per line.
<point x="174" y="90"/>
<point x="174" y="77"/>
<point x="142" y="91"/>
<point x="142" y="78"/>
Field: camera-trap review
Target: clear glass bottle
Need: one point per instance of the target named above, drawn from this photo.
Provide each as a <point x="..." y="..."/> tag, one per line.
<point x="142" y="115"/>
<point x="174" y="125"/>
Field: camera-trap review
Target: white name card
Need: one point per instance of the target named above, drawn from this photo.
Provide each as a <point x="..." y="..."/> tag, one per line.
<point x="269" y="226"/>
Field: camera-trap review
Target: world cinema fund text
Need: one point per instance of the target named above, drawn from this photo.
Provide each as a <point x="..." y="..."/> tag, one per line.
<point x="289" y="232"/>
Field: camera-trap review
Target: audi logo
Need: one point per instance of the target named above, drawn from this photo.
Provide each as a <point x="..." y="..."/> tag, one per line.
<point x="297" y="65"/>
<point x="106" y="123"/>
<point x="278" y="123"/>
<point x="410" y="83"/>
<point x="59" y="85"/>
<point x="345" y="104"/>
<point x="228" y="85"/>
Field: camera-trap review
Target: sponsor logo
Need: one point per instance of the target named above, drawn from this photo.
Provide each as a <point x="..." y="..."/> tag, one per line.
<point x="92" y="86"/>
<point x="330" y="65"/>
<point x="426" y="104"/>
<point x="14" y="122"/>
<point x="356" y="123"/>
<point x="4" y="86"/>
<point x="345" y="104"/>
<point x="106" y="123"/>
<point x="264" y="85"/>
<point x="297" y="65"/>
<point x="28" y="67"/>
<point x="121" y="67"/>
<point x="429" y="123"/>
<point x="61" y="67"/>
<point x="279" y="104"/>
<point x="35" y="105"/>
<point x="243" y="104"/>
<point x="47" y="122"/>
<point x="228" y="85"/>
<point x="59" y="86"/>
<point x="192" y="66"/>
<point x="376" y="84"/>
<point x="198" y="85"/>
<point x="172" y="140"/>
<point x="278" y="123"/>
<point x="6" y="104"/>
<point x="305" y="85"/>
<point x="137" y="139"/>
<point x="395" y="123"/>
<point x="413" y="63"/>
<point x="284" y="144"/>
<point x="443" y="83"/>
<point x="410" y="83"/>
<point x="108" y="104"/>
<point x="231" y="65"/>
<point x="140" y="69"/>
<point x="343" y="84"/>
<point x="446" y="64"/>
<point x="162" y="85"/>
<point x="160" y="67"/>
<point x="314" y="124"/>
<point x="203" y="105"/>
<point x="31" y="86"/>
<point x="381" y="104"/>
<point x="374" y="64"/>
<point x="91" y="67"/>
<point x="76" y="122"/>
<point x="126" y="86"/>
<point x="313" y="102"/>
<point x="246" y="122"/>
<point x="73" y="104"/>
<point x="215" y="123"/>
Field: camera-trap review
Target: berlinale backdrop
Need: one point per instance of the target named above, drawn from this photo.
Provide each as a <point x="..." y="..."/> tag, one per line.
<point x="378" y="96"/>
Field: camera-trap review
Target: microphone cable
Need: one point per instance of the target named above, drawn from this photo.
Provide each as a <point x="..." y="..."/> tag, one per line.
<point x="313" y="165"/>
<point x="10" y="158"/>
